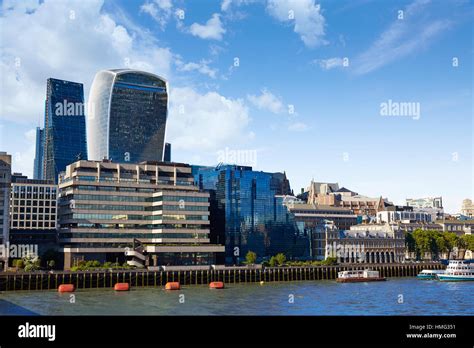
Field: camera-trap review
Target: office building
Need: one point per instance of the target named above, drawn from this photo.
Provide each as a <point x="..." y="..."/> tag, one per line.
<point x="5" y="180"/>
<point x="365" y="243"/>
<point x="64" y="128"/>
<point x="33" y="212"/>
<point x="167" y="155"/>
<point x="107" y="208"/>
<point x="127" y="117"/>
<point x="430" y="205"/>
<point x="249" y="214"/>
<point x="309" y="217"/>
<point x="39" y="154"/>
<point x="467" y="208"/>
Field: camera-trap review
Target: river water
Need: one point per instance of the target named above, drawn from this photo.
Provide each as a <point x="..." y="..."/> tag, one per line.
<point x="396" y="296"/>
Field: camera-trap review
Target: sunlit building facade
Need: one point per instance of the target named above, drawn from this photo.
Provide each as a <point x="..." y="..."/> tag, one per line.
<point x="127" y="116"/>
<point x="105" y="206"/>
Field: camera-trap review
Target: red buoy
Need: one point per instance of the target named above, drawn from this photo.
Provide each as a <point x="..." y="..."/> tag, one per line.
<point x="66" y="288"/>
<point x="216" y="285"/>
<point x="172" y="286"/>
<point x="122" y="287"/>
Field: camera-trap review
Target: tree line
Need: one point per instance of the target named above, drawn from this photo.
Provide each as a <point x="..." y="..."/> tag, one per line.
<point x="435" y="243"/>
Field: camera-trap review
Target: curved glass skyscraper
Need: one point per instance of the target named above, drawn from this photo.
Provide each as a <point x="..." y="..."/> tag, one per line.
<point x="127" y="116"/>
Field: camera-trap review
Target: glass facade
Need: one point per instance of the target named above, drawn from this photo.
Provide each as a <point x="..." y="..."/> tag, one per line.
<point x="65" y="127"/>
<point x="248" y="213"/>
<point x="39" y="154"/>
<point x="128" y="116"/>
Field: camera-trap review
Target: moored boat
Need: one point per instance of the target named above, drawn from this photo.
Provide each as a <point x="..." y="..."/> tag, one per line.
<point x="429" y="273"/>
<point x="458" y="270"/>
<point x="358" y="276"/>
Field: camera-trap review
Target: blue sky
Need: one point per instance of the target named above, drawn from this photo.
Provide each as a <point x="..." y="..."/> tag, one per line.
<point x="291" y="55"/>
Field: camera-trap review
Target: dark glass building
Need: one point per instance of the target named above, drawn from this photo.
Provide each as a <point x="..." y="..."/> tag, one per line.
<point x="127" y="120"/>
<point x="167" y="156"/>
<point x="64" y="128"/>
<point x="39" y="154"/>
<point x="247" y="212"/>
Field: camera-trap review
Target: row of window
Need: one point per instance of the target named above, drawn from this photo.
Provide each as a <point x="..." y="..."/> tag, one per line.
<point x="34" y="210"/>
<point x="34" y="224"/>
<point x="133" y="226"/>
<point x="33" y="217"/>
<point x="132" y="235"/>
<point x="114" y="188"/>
<point x="39" y="203"/>
<point x="133" y="217"/>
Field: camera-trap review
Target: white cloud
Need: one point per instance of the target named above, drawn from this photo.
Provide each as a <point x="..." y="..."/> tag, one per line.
<point x="202" y="67"/>
<point x="205" y="122"/>
<point x="298" y="127"/>
<point x="82" y="41"/>
<point x="160" y="10"/>
<point x="329" y="63"/>
<point x="402" y="38"/>
<point x="307" y="18"/>
<point x="23" y="157"/>
<point x="212" y="30"/>
<point x="226" y="5"/>
<point x="267" y="101"/>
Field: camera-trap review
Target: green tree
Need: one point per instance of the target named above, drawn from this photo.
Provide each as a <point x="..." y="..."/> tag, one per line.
<point x="280" y="259"/>
<point x="451" y="239"/>
<point x="250" y="258"/>
<point x="467" y="241"/>
<point x="410" y="242"/>
<point x="273" y="261"/>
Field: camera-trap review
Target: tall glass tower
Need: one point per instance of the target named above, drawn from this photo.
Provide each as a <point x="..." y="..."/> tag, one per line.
<point x="64" y="127"/>
<point x="127" y="119"/>
<point x="39" y="154"/>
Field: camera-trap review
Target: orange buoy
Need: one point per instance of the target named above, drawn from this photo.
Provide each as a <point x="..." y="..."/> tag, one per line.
<point x="172" y="286"/>
<point x="216" y="285"/>
<point x="66" y="288"/>
<point x="122" y="287"/>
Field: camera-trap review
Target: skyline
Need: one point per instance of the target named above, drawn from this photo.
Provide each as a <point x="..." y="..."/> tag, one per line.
<point x="336" y="133"/>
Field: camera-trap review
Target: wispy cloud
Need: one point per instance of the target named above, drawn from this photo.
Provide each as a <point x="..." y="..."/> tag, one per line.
<point x="330" y="63"/>
<point x="267" y="101"/>
<point x="212" y="30"/>
<point x="306" y="15"/>
<point x="160" y="10"/>
<point x="202" y="67"/>
<point x="404" y="37"/>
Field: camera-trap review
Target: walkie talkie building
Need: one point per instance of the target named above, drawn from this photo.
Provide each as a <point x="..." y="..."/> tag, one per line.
<point x="127" y="116"/>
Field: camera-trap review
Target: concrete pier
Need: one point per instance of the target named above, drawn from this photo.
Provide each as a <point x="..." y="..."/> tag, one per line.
<point x="231" y="275"/>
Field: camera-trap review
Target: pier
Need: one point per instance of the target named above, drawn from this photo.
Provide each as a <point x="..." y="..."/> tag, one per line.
<point x="230" y="275"/>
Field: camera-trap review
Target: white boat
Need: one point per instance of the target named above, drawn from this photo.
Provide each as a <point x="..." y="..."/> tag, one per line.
<point x="358" y="276"/>
<point x="457" y="270"/>
<point x="430" y="273"/>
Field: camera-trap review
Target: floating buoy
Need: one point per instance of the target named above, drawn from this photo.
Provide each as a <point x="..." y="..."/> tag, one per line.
<point x="172" y="286"/>
<point x="122" y="287"/>
<point x="216" y="285"/>
<point x="66" y="288"/>
<point x="262" y="282"/>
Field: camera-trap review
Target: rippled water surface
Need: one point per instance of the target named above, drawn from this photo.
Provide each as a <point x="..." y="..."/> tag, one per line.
<point x="418" y="297"/>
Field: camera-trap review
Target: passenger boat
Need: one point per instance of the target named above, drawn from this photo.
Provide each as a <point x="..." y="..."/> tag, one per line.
<point x="457" y="270"/>
<point x="429" y="273"/>
<point x="359" y="276"/>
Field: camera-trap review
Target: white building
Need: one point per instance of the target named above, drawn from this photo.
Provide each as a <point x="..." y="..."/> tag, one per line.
<point x="404" y="216"/>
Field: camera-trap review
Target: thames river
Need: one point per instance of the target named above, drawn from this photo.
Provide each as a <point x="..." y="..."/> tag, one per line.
<point x="396" y="296"/>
